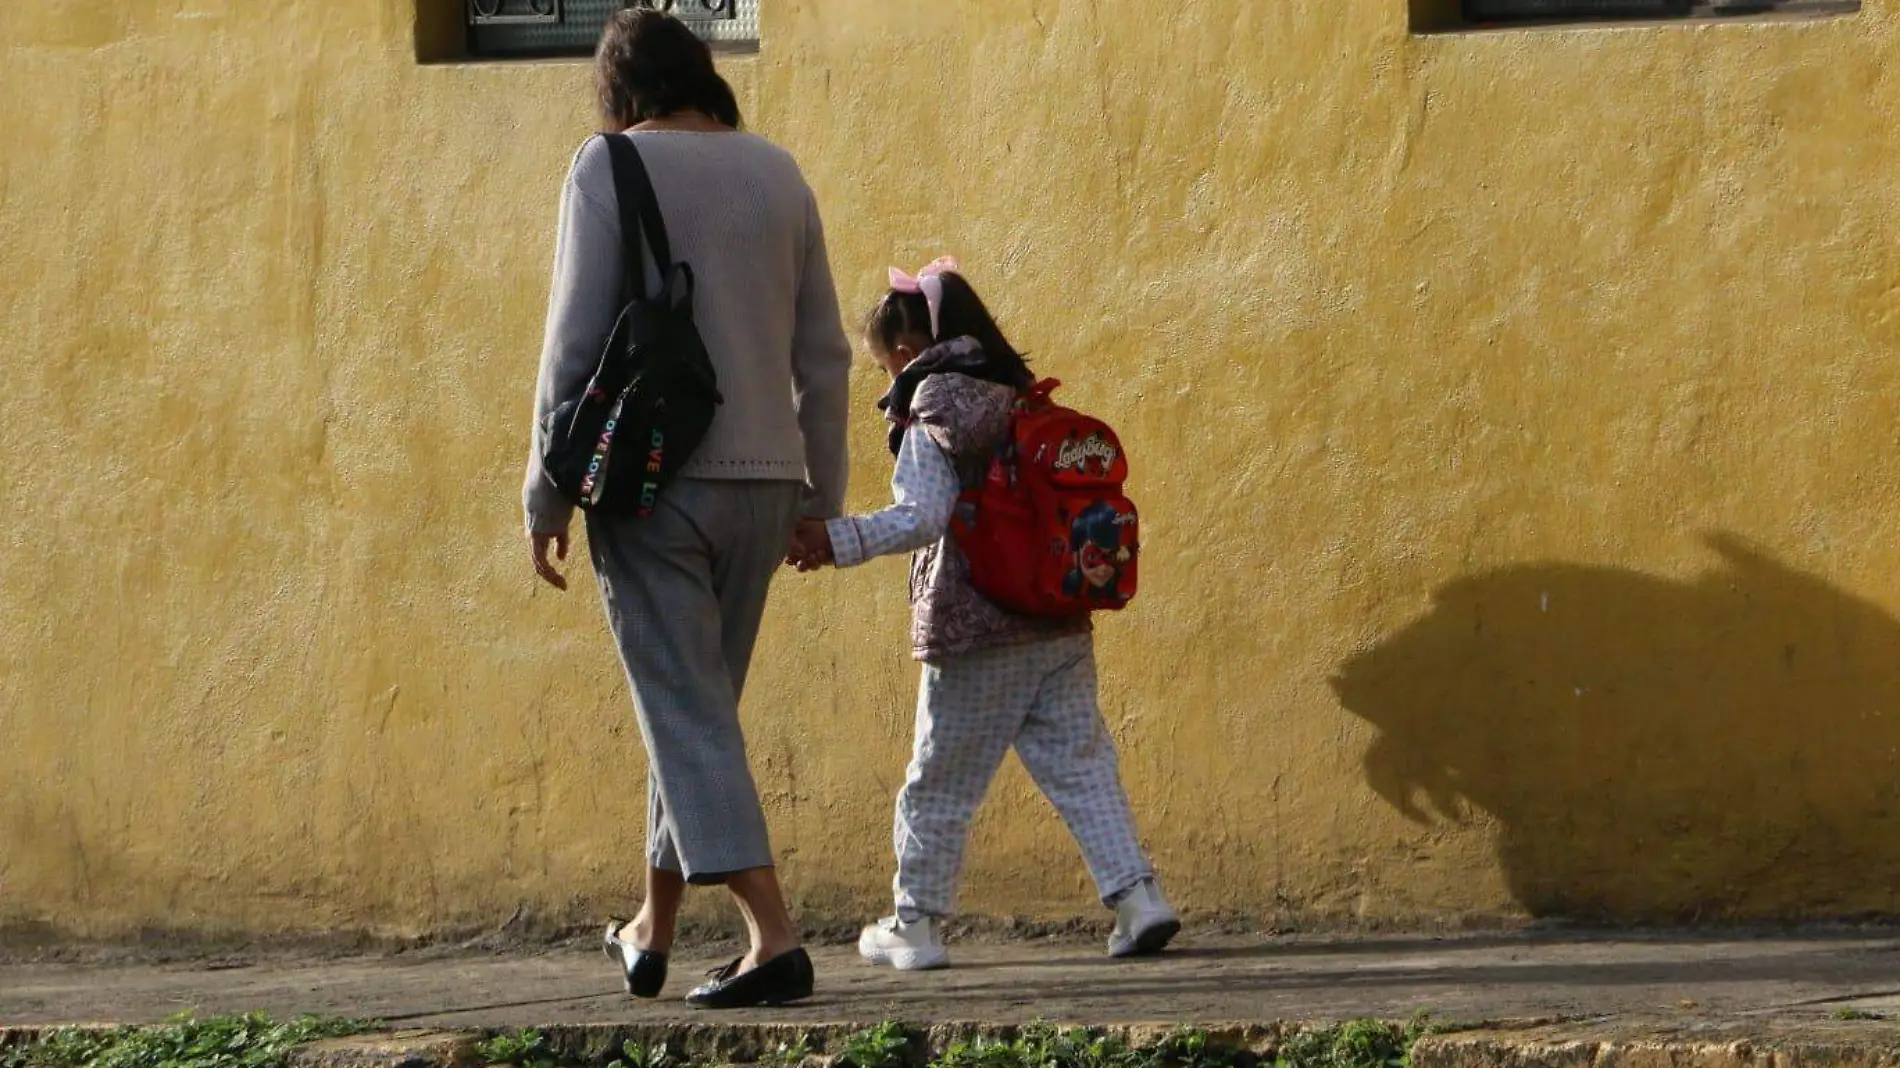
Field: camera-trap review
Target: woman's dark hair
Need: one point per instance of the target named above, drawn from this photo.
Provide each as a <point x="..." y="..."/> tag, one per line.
<point x="650" y="65"/>
<point x="963" y="314"/>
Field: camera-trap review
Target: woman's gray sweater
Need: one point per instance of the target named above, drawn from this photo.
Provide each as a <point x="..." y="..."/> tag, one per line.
<point x="738" y="210"/>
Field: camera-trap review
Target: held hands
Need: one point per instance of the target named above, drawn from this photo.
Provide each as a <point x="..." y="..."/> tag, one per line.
<point x="810" y="550"/>
<point x="811" y="546"/>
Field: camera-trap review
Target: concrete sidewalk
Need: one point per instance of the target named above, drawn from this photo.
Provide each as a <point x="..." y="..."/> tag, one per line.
<point x="1663" y="978"/>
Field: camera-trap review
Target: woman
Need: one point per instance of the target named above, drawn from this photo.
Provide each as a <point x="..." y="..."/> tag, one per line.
<point x="685" y="588"/>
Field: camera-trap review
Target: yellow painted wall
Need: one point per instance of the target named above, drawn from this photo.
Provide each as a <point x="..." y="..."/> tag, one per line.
<point x="1515" y="416"/>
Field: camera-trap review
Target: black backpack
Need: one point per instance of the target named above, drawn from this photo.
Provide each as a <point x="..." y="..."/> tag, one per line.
<point x="652" y="396"/>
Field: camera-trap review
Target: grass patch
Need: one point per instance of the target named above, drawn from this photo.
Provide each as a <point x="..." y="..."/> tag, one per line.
<point x="1856" y="1014"/>
<point x="525" y="1049"/>
<point x="788" y="1054"/>
<point x="256" y="1041"/>
<point x="252" y="1041"/>
<point x="530" y="1049"/>
<point x="1355" y="1044"/>
<point x="1041" y="1046"/>
<point x="885" y="1046"/>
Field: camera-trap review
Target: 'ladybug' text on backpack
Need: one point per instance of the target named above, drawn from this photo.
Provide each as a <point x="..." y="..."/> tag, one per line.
<point x="1049" y="532"/>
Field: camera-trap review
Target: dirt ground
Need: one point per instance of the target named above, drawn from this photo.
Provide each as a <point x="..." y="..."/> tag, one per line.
<point x="1209" y="978"/>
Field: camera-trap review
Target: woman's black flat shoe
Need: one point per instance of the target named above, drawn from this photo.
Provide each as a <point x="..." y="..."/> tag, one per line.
<point x="781" y="980"/>
<point x="643" y="972"/>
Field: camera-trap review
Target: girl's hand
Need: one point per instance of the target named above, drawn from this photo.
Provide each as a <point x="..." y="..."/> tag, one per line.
<point x="539" y="544"/>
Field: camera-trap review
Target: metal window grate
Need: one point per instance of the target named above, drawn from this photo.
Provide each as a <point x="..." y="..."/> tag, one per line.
<point x="1500" y="10"/>
<point x="1488" y="11"/>
<point x="502" y="28"/>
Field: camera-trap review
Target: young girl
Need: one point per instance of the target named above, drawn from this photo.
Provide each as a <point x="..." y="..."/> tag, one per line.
<point x="991" y="680"/>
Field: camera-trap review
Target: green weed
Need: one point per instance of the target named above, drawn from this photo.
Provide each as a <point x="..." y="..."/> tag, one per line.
<point x="251" y="1041"/>
<point x="530" y="1048"/>
<point x="636" y="1056"/>
<point x="1354" y="1044"/>
<point x="257" y="1042"/>
<point x="885" y="1046"/>
<point x="527" y="1048"/>
<point x="788" y="1054"/>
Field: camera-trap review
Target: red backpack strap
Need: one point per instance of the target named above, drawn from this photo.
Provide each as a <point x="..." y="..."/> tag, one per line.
<point x="1037" y="396"/>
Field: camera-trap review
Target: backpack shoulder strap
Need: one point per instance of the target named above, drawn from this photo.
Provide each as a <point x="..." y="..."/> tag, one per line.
<point x="633" y="189"/>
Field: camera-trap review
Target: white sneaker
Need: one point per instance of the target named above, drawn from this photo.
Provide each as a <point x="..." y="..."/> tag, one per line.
<point x="908" y="947"/>
<point x="1144" y="922"/>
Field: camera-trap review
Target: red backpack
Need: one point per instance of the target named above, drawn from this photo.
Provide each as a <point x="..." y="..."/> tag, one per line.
<point x="1049" y="532"/>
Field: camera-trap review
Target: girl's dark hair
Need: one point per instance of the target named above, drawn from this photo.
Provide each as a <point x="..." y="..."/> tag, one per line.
<point x="963" y="315"/>
<point x="649" y="66"/>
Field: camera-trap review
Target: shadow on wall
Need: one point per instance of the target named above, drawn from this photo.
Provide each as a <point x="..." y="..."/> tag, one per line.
<point x="1653" y="750"/>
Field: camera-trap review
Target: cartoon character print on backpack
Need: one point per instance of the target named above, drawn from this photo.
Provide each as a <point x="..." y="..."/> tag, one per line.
<point x="1099" y="557"/>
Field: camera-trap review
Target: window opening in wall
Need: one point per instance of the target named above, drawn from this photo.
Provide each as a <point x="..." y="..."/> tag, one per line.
<point x="534" y="29"/>
<point x="1432" y="16"/>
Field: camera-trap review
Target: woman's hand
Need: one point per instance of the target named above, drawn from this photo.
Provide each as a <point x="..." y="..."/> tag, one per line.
<point x="811" y="545"/>
<point x="542" y="566"/>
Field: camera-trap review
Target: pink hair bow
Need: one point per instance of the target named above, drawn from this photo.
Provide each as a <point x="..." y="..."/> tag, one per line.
<point x="929" y="282"/>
